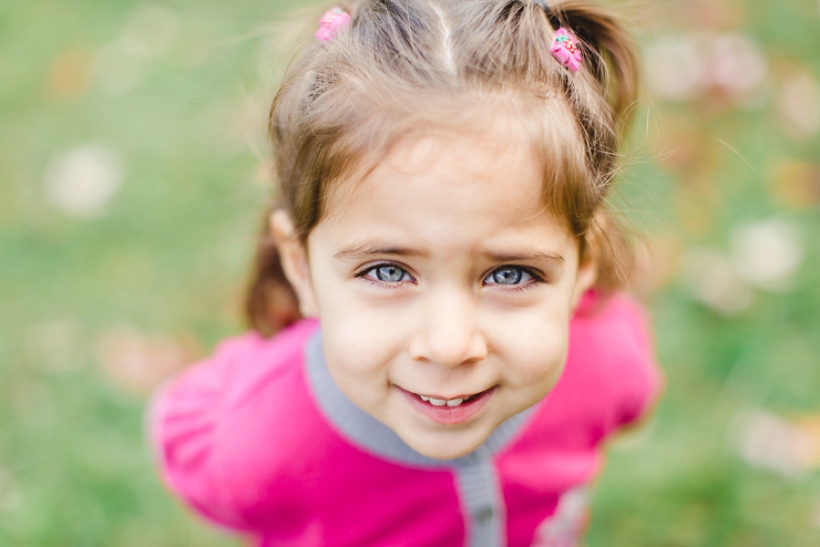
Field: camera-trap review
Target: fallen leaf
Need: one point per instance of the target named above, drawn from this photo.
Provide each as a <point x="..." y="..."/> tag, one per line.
<point x="70" y="74"/>
<point x="137" y="362"/>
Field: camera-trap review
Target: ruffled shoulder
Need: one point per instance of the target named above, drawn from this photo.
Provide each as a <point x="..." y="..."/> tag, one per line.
<point x="612" y="358"/>
<point x="192" y="420"/>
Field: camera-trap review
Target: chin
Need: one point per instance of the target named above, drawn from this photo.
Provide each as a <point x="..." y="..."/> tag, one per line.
<point x="444" y="447"/>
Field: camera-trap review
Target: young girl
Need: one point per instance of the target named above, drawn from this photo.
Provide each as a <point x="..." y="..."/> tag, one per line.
<point x="440" y="348"/>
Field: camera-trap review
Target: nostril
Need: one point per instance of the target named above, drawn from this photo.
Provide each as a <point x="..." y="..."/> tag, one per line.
<point x="450" y="351"/>
<point x="447" y="333"/>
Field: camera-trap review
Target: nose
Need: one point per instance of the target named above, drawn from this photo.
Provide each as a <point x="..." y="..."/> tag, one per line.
<point x="448" y="333"/>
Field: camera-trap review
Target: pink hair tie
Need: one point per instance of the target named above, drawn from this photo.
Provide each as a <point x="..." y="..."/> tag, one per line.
<point x="565" y="49"/>
<point x="331" y="22"/>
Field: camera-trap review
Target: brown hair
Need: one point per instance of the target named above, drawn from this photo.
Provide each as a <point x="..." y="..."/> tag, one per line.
<point x="402" y="66"/>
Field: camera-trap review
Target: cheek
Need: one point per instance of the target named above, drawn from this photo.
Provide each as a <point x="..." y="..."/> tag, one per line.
<point x="358" y="348"/>
<point x="351" y="366"/>
<point x="359" y="336"/>
<point x="536" y="345"/>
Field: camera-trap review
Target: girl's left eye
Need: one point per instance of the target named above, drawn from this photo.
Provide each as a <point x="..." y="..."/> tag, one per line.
<point x="387" y="273"/>
<point x="509" y="275"/>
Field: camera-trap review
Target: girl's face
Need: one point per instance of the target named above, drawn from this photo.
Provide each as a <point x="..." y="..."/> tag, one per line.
<point x="443" y="287"/>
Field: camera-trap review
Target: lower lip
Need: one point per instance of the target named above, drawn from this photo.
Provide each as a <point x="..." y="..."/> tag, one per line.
<point x="451" y="415"/>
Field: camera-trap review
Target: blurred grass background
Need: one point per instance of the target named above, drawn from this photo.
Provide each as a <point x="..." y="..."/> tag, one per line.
<point x="133" y="168"/>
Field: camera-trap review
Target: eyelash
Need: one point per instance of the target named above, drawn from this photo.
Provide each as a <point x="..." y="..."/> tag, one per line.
<point x="536" y="277"/>
<point x="363" y="274"/>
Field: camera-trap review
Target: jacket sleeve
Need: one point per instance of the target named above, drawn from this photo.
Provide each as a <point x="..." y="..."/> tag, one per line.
<point x="189" y="420"/>
<point x="637" y="376"/>
<point x="221" y="429"/>
<point x="612" y="375"/>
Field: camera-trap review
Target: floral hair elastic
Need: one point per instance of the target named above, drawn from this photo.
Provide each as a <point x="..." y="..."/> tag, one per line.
<point x="564" y="46"/>
<point x="331" y="23"/>
<point x="565" y="49"/>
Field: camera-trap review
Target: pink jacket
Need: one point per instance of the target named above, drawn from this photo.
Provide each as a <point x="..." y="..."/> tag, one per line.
<point x="259" y="439"/>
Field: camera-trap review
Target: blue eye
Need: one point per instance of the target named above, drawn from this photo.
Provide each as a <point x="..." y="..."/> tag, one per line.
<point x="508" y="275"/>
<point x="388" y="273"/>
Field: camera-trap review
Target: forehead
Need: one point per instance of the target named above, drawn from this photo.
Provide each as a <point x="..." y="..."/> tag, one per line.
<point x="456" y="158"/>
<point x="446" y="187"/>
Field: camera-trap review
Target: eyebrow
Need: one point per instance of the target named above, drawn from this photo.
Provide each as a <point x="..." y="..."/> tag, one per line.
<point x="526" y="256"/>
<point x="359" y="252"/>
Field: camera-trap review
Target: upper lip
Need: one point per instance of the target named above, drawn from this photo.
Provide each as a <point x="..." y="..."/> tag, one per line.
<point x="448" y="397"/>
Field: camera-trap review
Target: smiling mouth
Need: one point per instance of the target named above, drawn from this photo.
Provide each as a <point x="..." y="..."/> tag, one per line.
<point x="453" y="411"/>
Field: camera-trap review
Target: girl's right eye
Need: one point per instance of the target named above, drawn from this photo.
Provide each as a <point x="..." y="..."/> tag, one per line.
<point x="387" y="273"/>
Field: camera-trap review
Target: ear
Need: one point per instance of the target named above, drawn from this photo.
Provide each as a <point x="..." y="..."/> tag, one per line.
<point x="294" y="257"/>
<point x="585" y="278"/>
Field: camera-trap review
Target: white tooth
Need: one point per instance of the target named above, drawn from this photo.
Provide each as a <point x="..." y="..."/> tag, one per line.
<point x="437" y="402"/>
<point x="454" y="402"/>
<point x="423" y="398"/>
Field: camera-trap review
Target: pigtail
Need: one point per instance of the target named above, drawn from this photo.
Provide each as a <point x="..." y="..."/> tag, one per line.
<point x="609" y="51"/>
<point x="611" y="243"/>
<point x="270" y="301"/>
<point x="610" y="57"/>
